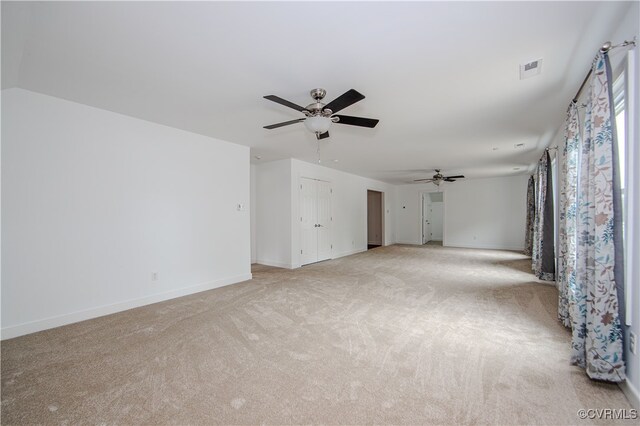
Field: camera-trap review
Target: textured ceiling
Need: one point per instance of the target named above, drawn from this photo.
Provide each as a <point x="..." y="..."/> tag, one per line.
<point x="443" y="78"/>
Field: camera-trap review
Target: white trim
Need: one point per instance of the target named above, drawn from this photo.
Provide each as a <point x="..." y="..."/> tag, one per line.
<point x="57" y="321"/>
<point x="631" y="393"/>
<point x="349" y="253"/>
<point x="486" y="247"/>
<point x="275" y="263"/>
<point x="470" y="246"/>
<point x="334" y="256"/>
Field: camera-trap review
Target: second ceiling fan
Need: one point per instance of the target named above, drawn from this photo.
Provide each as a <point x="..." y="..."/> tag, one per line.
<point x="438" y="178"/>
<point x="319" y="116"/>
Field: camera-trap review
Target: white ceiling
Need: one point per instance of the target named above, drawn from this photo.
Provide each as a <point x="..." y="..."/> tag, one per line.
<point x="441" y="77"/>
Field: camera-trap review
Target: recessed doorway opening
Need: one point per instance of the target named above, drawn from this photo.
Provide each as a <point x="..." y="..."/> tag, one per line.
<point x="375" y="219"/>
<point x="432" y="218"/>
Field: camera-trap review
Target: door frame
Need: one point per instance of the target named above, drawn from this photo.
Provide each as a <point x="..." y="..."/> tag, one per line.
<point x="382" y="216"/>
<point x="421" y="196"/>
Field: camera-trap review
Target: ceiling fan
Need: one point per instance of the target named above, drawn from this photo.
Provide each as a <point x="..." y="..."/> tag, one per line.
<point x="438" y="178"/>
<point x="319" y="116"/>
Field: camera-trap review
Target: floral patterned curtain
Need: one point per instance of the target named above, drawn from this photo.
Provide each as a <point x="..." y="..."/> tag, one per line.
<point x="591" y="251"/>
<point x="543" y="256"/>
<point x="567" y="196"/>
<point x="531" y="207"/>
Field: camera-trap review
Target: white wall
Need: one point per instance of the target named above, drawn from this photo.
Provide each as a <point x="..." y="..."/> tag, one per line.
<point x="273" y="213"/>
<point x="277" y="190"/>
<point x="478" y="213"/>
<point x="94" y="202"/>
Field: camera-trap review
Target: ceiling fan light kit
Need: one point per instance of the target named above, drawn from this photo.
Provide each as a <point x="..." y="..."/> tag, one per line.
<point x="317" y="124"/>
<point x="319" y="116"/>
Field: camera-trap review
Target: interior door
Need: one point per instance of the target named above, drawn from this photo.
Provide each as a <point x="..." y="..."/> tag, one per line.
<point x="309" y="222"/>
<point x="324" y="219"/>
<point x="315" y="221"/>
<point x="426" y="223"/>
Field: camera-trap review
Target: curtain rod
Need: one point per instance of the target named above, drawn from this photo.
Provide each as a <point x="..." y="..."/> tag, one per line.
<point x="604" y="49"/>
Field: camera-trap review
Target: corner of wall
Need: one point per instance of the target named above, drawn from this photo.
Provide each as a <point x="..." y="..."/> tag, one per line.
<point x="632" y="394"/>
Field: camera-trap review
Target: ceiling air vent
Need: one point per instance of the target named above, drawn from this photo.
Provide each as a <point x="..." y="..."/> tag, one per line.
<point x="530" y="69"/>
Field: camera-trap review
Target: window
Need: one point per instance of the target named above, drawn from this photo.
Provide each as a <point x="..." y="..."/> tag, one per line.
<point x="622" y="106"/>
<point x="621" y="125"/>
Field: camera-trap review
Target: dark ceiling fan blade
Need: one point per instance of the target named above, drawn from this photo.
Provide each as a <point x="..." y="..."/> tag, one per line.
<point x="322" y="135"/>
<point x="455" y="177"/>
<point x="357" y="121"/>
<point x="284" y="123"/>
<point x="349" y="97"/>
<point x="449" y="180"/>
<point x="284" y="102"/>
<point x="423" y="180"/>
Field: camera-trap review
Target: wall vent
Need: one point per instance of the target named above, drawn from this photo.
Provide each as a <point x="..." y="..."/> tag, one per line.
<point x="530" y="69"/>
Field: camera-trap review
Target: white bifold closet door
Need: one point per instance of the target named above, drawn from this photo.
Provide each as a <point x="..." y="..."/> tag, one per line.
<point x="315" y="220"/>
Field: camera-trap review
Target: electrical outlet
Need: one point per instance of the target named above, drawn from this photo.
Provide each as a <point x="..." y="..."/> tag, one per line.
<point x="154" y="276"/>
<point x="633" y="341"/>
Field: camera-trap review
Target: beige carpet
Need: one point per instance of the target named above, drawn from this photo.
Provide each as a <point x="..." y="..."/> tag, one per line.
<point x="401" y="334"/>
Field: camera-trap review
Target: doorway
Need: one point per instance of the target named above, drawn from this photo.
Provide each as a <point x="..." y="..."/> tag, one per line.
<point x="375" y="219"/>
<point x="432" y="217"/>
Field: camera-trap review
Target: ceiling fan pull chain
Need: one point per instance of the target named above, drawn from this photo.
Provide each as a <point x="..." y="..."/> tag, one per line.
<point x="318" y="151"/>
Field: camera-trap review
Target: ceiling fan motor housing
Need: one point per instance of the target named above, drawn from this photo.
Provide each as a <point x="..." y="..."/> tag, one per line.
<point x="318" y="94"/>
<point x="317" y="108"/>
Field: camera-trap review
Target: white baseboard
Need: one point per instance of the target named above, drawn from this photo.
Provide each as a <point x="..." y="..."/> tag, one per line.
<point x="631" y="393"/>
<point x="486" y="246"/>
<point x="57" y="321"/>
<point x="274" y="263"/>
<point x="471" y="246"/>
<point x="348" y="253"/>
